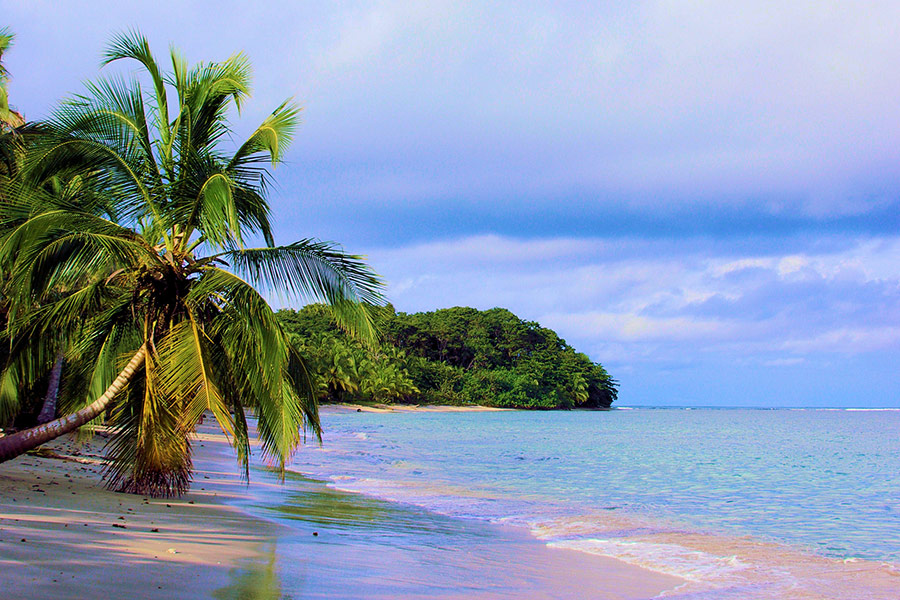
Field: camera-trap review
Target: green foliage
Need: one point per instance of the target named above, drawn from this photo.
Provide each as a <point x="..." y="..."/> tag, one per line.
<point x="450" y="356"/>
<point x="342" y="368"/>
<point x="8" y="117"/>
<point x="130" y="233"/>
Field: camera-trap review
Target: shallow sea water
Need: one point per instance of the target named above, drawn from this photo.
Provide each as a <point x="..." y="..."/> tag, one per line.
<point x="337" y="545"/>
<point x="739" y="503"/>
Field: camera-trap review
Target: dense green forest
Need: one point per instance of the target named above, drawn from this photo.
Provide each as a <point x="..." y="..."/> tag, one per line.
<point x="451" y="356"/>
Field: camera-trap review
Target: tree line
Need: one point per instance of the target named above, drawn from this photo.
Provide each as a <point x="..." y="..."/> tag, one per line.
<point x="455" y="356"/>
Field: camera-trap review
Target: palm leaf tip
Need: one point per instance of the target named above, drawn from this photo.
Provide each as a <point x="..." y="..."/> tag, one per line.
<point x="130" y="43"/>
<point x="273" y="136"/>
<point x="6" y="41"/>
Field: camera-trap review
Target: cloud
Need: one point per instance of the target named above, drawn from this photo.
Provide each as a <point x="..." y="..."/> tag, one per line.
<point x="785" y="362"/>
<point x="707" y="116"/>
<point x="690" y="191"/>
<point x="636" y="328"/>
<point x="848" y="340"/>
<point x="700" y="103"/>
<point x="686" y="299"/>
<point x="495" y="249"/>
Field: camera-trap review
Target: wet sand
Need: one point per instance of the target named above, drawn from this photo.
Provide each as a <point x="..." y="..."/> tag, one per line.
<point x="297" y="540"/>
<point x="345" y="546"/>
<point x="62" y="535"/>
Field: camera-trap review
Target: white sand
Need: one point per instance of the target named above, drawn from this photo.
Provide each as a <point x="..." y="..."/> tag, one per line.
<point x="62" y="536"/>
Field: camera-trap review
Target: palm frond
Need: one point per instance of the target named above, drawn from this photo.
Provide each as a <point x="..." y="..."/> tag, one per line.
<point x="234" y="396"/>
<point x="215" y="212"/>
<point x="238" y="304"/>
<point x="279" y="422"/>
<point x="314" y="271"/>
<point x="207" y="92"/>
<point x="94" y="360"/>
<point x="59" y="248"/>
<point x="123" y="100"/>
<point x="6" y="41"/>
<point x="120" y="170"/>
<point x="29" y="359"/>
<point x="266" y="373"/>
<point x="133" y="45"/>
<point x="8" y="116"/>
<point x="272" y="136"/>
<point x="303" y="385"/>
<point x="185" y="375"/>
<point x="10" y="392"/>
<point x="65" y="316"/>
<point x="149" y="453"/>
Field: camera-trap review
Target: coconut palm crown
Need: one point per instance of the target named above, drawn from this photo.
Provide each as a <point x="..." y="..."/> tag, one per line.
<point x="151" y="293"/>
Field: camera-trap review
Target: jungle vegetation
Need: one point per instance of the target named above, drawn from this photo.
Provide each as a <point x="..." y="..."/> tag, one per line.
<point x="454" y="356"/>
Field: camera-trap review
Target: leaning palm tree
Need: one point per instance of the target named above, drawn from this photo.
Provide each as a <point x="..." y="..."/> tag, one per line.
<point x="153" y="301"/>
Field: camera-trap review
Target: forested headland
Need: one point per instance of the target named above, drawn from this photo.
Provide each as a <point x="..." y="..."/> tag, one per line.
<point x="453" y="356"/>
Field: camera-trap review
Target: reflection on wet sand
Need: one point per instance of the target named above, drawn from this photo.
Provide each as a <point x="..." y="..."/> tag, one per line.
<point x="339" y="545"/>
<point x="255" y="579"/>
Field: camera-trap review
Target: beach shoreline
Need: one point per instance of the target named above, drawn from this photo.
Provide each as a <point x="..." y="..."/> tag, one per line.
<point x="385" y="408"/>
<point x="432" y="408"/>
<point x="512" y="469"/>
<point x="63" y="535"/>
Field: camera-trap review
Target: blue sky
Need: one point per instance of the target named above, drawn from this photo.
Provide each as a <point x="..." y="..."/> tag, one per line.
<point x="703" y="196"/>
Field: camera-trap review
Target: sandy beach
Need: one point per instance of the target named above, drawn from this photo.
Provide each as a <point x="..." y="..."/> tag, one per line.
<point x="62" y="535"/>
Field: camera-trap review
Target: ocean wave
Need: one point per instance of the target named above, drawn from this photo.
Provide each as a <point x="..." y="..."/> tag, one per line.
<point x="712" y="566"/>
<point x="511" y="475"/>
<point x="671" y="559"/>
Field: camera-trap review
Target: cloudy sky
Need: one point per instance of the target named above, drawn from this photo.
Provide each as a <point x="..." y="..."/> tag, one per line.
<point x="703" y="196"/>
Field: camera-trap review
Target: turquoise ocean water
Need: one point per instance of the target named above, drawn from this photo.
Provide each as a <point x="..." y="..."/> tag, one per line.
<point x="776" y="501"/>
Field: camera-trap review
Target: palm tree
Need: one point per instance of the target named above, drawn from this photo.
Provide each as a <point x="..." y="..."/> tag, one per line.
<point x="160" y="318"/>
<point x="8" y="117"/>
<point x="17" y="391"/>
<point x="10" y="120"/>
<point x="383" y="377"/>
<point x="338" y="370"/>
<point x="578" y="389"/>
<point x="11" y="150"/>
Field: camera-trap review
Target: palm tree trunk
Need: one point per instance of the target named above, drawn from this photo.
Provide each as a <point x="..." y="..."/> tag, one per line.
<point x="48" y="410"/>
<point x="18" y="443"/>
